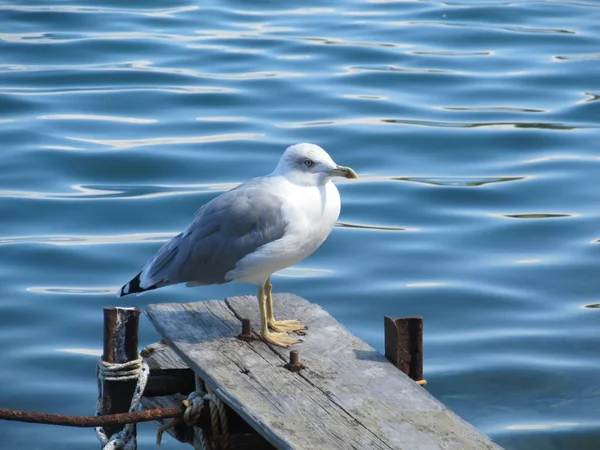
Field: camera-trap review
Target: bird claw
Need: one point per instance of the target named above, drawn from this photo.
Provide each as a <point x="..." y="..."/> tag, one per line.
<point x="280" y="339"/>
<point x="287" y="326"/>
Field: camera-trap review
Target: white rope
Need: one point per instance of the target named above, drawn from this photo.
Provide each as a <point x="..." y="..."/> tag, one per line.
<point x="136" y="369"/>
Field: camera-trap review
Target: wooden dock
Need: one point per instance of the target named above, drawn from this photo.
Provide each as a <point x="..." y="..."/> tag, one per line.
<point x="348" y="396"/>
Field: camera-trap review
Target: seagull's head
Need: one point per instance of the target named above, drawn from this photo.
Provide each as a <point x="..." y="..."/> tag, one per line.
<point x="309" y="164"/>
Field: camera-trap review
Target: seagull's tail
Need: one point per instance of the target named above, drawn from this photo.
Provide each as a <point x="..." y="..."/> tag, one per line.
<point x="134" y="287"/>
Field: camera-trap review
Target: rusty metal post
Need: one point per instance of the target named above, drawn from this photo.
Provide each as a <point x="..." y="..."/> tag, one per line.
<point x="404" y="345"/>
<point x="120" y="346"/>
<point x="246" y="334"/>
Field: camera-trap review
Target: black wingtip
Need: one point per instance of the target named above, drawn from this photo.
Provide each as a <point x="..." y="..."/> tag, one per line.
<point x="133" y="287"/>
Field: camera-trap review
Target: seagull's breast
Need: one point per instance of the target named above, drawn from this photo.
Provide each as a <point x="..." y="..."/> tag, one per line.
<point x="315" y="210"/>
<point x="310" y="213"/>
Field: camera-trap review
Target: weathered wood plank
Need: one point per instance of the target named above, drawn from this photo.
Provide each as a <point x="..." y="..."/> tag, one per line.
<point x="350" y="397"/>
<point x="160" y="356"/>
<point x="363" y="382"/>
<point x="281" y="406"/>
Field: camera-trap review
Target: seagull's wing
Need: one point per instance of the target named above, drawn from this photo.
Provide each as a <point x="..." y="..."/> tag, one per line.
<point x="224" y="230"/>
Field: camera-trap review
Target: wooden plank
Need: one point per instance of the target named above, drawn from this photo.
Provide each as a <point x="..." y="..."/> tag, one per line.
<point x="281" y="406"/>
<point x="166" y="366"/>
<point x="160" y="356"/>
<point x="350" y="397"/>
<point x="363" y="383"/>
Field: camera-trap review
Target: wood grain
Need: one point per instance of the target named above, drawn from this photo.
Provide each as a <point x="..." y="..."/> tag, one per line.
<point x="349" y="397"/>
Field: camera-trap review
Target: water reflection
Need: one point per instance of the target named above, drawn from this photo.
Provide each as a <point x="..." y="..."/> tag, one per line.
<point x="576" y="57"/>
<point x="286" y="12"/>
<point x="366" y="97"/>
<point x="100" y="10"/>
<point x="484" y="26"/>
<point x="550" y="158"/>
<point x="593" y="306"/>
<point x="353" y="70"/>
<point x="528" y="261"/>
<point x="425" y="284"/>
<point x="589" y="98"/>
<point x="69" y="290"/>
<point x="94" y="117"/>
<point x="457" y="53"/>
<point x="492" y="108"/>
<point x="541" y="426"/>
<point x="536" y="216"/>
<point x="147" y="66"/>
<point x="80" y="192"/>
<point x="122" y="193"/>
<point x="345" y="42"/>
<point x="81" y="351"/>
<point x="302" y="272"/>
<point x="460" y="182"/>
<point x="126" y="144"/>
<point x="435" y="124"/>
<point x="222" y="119"/>
<point x="19" y="91"/>
<point x="60" y="147"/>
<point x="373" y="227"/>
<point x="69" y="240"/>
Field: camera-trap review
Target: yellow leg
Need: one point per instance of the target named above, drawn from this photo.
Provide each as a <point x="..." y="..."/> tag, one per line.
<point x="279" y="325"/>
<point x="279" y="339"/>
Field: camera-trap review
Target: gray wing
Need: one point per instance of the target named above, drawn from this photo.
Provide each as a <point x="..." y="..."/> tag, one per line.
<point x="224" y="230"/>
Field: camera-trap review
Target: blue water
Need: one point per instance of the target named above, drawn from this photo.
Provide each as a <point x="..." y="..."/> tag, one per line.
<point x="473" y="126"/>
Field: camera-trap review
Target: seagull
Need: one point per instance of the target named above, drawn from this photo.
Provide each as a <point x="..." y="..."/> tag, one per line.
<point x="250" y="232"/>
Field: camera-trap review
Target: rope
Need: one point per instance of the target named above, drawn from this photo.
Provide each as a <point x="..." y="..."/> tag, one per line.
<point x="132" y="370"/>
<point x="201" y="441"/>
<point x="194" y="405"/>
<point x="218" y="419"/>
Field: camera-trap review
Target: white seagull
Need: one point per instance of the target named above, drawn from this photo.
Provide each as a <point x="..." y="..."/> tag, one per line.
<point x="246" y="234"/>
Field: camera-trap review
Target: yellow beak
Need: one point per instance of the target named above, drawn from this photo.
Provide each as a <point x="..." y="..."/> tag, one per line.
<point x="342" y="171"/>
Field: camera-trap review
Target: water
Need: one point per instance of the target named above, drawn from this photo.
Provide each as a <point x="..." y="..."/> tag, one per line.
<point x="473" y="126"/>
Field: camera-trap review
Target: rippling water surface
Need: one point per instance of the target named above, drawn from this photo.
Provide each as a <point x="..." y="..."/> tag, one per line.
<point x="473" y="125"/>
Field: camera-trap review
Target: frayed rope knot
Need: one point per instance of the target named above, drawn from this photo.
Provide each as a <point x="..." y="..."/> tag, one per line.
<point x="132" y="370"/>
<point x="194" y="406"/>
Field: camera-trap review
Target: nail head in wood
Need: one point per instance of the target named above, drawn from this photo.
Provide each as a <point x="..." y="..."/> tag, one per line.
<point x="404" y="345"/>
<point x="294" y="365"/>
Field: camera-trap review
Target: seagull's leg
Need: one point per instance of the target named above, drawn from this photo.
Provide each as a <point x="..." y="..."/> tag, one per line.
<point x="279" y="339"/>
<point x="279" y="325"/>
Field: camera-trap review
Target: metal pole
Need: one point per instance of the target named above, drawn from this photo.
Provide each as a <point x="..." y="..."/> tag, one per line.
<point x="404" y="345"/>
<point x="120" y="346"/>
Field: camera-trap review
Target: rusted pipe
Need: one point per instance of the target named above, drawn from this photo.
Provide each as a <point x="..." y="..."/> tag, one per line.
<point x="120" y="346"/>
<point x="91" y="421"/>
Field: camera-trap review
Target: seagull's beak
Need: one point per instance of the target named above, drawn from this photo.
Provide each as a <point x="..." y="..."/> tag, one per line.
<point x="341" y="171"/>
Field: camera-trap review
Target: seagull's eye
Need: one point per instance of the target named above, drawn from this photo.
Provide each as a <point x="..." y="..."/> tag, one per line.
<point x="308" y="162"/>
